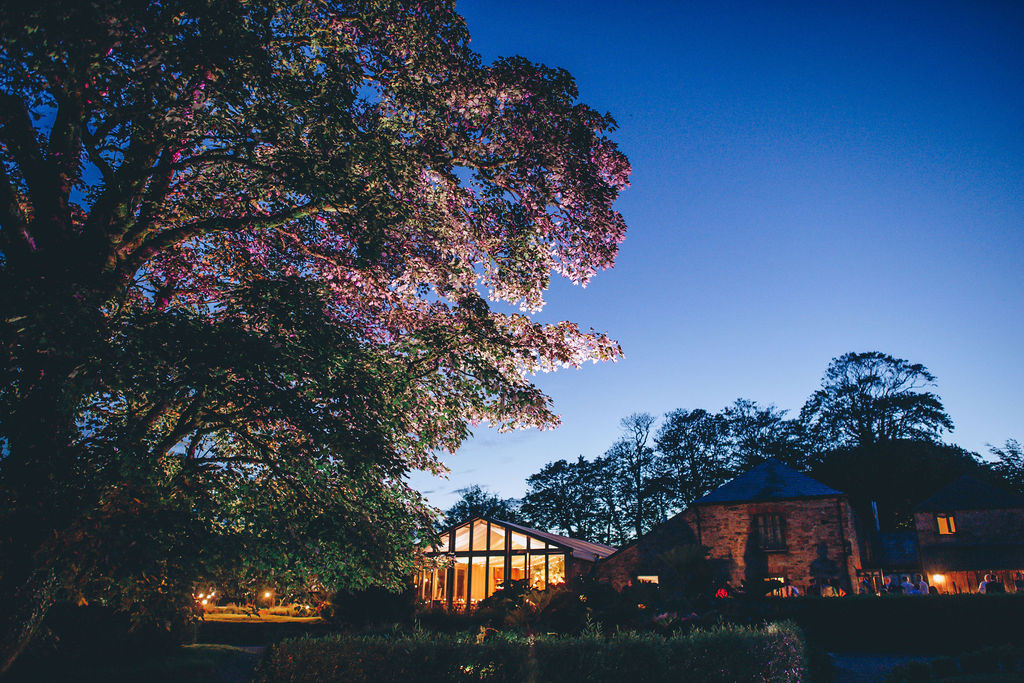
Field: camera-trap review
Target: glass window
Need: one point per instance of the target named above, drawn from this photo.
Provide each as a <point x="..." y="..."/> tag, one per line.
<point x="946" y="522"/>
<point x="650" y="578"/>
<point x="461" y="580"/>
<point x="497" y="538"/>
<point x="462" y="538"/>
<point x="518" y="541"/>
<point x="478" y="586"/>
<point x="479" y="535"/>
<point x="537" y="579"/>
<point x="495" y="573"/>
<point x="768" y="532"/>
<point x="440" y="586"/>
<point x="556" y="570"/>
<point x="518" y="568"/>
<point x="537" y="545"/>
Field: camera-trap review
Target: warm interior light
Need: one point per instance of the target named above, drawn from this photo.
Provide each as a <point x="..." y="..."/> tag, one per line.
<point x="205" y="601"/>
<point x="267" y="594"/>
<point x="938" y="578"/>
<point x="201" y="596"/>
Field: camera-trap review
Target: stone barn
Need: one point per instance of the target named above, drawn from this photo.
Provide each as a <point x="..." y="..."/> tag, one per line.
<point x="969" y="529"/>
<point x="769" y="523"/>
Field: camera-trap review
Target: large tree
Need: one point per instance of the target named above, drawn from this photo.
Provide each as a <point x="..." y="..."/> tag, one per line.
<point x="245" y="255"/>
<point x="872" y="397"/>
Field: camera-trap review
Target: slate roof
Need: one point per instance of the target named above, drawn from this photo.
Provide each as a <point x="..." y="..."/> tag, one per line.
<point x="581" y="550"/>
<point x="771" y="480"/>
<point x="968" y="493"/>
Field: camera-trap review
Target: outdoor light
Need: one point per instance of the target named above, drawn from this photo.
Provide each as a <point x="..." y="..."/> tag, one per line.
<point x="267" y="595"/>
<point x="205" y="601"/>
<point x="938" y="578"/>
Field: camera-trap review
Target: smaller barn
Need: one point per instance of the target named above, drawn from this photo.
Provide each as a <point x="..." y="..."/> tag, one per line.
<point x="967" y="530"/>
<point x="475" y="558"/>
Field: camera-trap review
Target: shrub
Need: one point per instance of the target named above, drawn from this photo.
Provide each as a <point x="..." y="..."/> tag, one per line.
<point x="910" y="672"/>
<point x="372" y="606"/>
<point x="944" y="667"/>
<point x="722" y="654"/>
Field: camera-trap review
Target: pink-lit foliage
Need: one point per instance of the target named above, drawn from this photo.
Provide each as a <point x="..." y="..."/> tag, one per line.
<point x="251" y="253"/>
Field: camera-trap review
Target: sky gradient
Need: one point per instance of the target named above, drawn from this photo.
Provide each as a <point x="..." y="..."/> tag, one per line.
<point x="808" y="179"/>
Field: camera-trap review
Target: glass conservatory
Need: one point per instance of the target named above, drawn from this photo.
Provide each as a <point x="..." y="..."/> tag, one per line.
<point x="482" y="554"/>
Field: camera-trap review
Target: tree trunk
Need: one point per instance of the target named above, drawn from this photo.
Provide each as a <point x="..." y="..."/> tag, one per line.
<point x="24" y="612"/>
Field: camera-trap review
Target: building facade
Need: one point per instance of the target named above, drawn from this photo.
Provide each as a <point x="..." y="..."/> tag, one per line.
<point x="769" y="523"/>
<point x="472" y="560"/>
<point x="970" y="529"/>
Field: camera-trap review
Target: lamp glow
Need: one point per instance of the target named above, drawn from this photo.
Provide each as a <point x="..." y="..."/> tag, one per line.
<point x="938" y="578"/>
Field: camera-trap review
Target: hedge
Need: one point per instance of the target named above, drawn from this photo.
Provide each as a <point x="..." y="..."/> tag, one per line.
<point x="728" y="654"/>
<point x="939" y="624"/>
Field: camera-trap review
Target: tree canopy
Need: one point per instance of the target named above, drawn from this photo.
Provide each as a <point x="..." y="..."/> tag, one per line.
<point x="246" y="252"/>
<point x="872" y="397"/>
<point x="474" y="501"/>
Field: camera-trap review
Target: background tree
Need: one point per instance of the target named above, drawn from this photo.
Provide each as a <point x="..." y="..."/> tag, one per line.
<point x="194" y="196"/>
<point x="868" y="398"/>
<point x="476" y="502"/>
<point x="561" y="497"/>
<point x="898" y="475"/>
<point x="634" y="459"/>
<point x="695" y="454"/>
<point x="612" y="525"/>
<point x="758" y="433"/>
<point x="1009" y="465"/>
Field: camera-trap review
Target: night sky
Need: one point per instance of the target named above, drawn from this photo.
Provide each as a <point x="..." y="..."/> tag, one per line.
<point x="808" y="179"/>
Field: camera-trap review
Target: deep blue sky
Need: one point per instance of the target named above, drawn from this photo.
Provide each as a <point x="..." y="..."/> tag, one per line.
<point x="808" y="179"/>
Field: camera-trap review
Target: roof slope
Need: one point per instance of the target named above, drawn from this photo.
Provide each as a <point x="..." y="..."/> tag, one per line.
<point x="968" y="493"/>
<point x="582" y="550"/>
<point x="768" y="481"/>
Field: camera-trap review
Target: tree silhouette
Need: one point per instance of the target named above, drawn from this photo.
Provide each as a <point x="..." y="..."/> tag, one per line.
<point x="868" y="398"/>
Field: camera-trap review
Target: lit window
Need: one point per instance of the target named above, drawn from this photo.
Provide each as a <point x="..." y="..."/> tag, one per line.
<point x="518" y="541"/>
<point x="769" y="532"/>
<point x="946" y="522"/>
<point x="462" y="538"/>
<point x="647" y="579"/>
<point x="479" y="535"/>
<point x="556" y="570"/>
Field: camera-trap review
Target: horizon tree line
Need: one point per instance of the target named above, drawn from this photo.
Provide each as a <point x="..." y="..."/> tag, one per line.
<point x="871" y="412"/>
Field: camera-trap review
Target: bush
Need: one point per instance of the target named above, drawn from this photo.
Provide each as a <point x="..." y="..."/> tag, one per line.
<point x="725" y="654"/>
<point x="940" y="624"/>
<point x="910" y="672"/>
<point x="944" y="667"/>
<point x="370" y="607"/>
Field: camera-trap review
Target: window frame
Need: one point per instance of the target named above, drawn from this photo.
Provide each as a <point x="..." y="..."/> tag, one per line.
<point x="774" y="542"/>
<point x="949" y="518"/>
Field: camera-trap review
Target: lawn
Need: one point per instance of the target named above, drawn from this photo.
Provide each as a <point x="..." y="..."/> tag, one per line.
<point x="193" y="663"/>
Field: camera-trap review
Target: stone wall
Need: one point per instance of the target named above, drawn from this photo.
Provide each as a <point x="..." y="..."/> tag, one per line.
<point x="973" y="527"/>
<point x="812" y="526"/>
<point x="820" y="537"/>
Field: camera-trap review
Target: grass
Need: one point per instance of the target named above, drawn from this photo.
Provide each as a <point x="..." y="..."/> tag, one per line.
<point x="193" y="663"/>
<point x="263" y="617"/>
